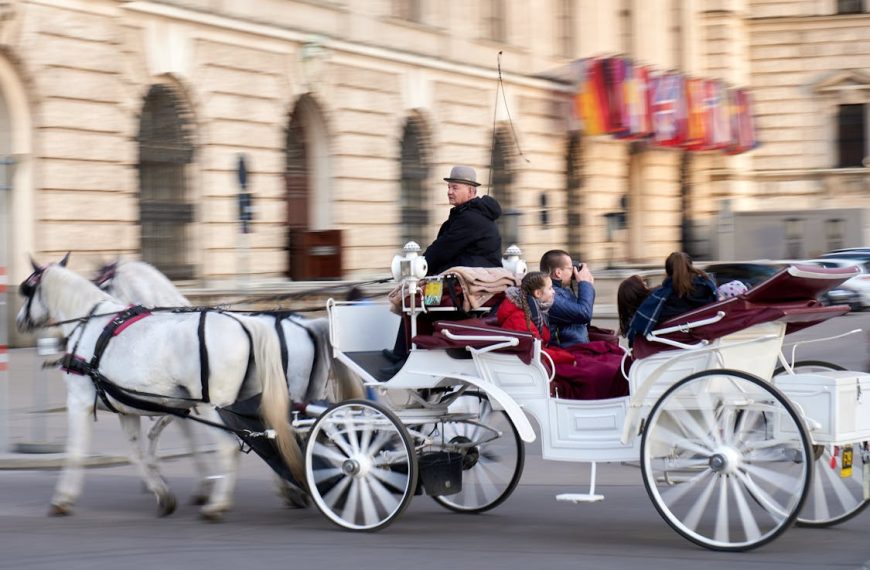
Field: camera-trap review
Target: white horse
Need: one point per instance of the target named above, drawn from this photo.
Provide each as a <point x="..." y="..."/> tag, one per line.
<point x="152" y="358"/>
<point x="306" y="346"/>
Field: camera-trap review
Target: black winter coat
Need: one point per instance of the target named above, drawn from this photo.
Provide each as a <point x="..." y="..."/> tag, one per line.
<point x="468" y="238"/>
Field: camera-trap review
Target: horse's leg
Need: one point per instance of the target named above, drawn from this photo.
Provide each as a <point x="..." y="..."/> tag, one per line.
<point x="79" y="409"/>
<point x="203" y="489"/>
<point x="147" y="466"/>
<point x="221" y="498"/>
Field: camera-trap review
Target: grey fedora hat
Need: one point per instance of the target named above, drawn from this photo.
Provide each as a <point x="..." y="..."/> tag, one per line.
<point x="463" y="175"/>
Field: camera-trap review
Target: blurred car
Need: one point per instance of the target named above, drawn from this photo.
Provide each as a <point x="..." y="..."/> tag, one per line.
<point x="751" y="273"/>
<point x="860" y="283"/>
<point x="856" y="253"/>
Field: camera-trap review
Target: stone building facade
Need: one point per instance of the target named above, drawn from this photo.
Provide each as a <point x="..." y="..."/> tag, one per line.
<point x="126" y="120"/>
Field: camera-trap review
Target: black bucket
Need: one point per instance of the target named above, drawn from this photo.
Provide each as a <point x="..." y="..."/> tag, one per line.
<point x="441" y="472"/>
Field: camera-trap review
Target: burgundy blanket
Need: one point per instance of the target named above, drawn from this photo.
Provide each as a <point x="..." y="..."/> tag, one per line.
<point x="595" y="374"/>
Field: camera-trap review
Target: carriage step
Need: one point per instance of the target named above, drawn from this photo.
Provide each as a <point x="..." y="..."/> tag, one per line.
<point x="579" y="498"/>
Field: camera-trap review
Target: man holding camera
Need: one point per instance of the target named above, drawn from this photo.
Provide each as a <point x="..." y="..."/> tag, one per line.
<point x="571" y="311"/>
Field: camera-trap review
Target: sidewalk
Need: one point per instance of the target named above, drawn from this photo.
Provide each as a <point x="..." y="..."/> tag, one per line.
<point x="35" y="420"/>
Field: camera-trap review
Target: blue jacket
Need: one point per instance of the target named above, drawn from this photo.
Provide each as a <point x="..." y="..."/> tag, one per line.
<point x="662" y="304"/>
<point x="570" y="314"/>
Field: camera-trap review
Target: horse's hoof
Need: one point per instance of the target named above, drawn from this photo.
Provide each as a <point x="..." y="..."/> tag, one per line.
<point x="295" y="499"/>
<point x="59" y="510"/>
<point x="166" y="505"/>
<point x="212" y="517"/>
<point x="199" y="500"/>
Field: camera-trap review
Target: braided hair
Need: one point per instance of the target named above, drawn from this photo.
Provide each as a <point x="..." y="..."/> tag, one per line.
<point x="532" y="281"/>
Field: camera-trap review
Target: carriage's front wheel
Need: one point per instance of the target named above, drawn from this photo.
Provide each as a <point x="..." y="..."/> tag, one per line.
<point x="492" y="455"/>
<point x="360" y="465"/>
<point x="726" y="460"/>
<point x="837" y="492"/>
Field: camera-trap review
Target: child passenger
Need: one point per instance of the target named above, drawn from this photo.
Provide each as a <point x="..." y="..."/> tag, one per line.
<point x="590" y="372"/>
<point x="685" y="288"/>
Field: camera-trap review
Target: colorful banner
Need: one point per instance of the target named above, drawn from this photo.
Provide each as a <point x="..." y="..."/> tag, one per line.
<point x="617" y="97"/>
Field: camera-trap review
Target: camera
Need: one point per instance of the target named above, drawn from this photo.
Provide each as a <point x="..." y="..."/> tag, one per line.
<point x="578" y="266"/>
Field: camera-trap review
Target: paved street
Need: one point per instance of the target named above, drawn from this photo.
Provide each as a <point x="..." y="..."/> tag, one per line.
<point x="115" y="525"/>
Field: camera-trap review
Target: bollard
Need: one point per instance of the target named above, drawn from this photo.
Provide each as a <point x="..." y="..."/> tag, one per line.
<point x="46" y="347"/>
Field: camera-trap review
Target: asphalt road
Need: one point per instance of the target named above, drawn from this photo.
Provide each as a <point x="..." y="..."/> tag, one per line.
<point x="114" y="525"/>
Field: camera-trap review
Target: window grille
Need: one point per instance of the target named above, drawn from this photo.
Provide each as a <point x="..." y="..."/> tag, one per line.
<point x="850" y="6"/>
<point x="415" y="214"/>
<point x="165" y="214"/>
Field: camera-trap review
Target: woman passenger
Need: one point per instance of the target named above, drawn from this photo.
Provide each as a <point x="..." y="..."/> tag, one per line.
<point x="631" y="293"/>
<point x="685" y="288"/>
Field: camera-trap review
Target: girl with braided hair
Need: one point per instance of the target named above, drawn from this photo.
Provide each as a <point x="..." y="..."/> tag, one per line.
<point x="588" y="371"/>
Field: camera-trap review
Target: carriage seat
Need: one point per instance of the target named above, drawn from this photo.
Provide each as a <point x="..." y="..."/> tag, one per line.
<point x="479" y="327"/>
<point x="789" y="296"/>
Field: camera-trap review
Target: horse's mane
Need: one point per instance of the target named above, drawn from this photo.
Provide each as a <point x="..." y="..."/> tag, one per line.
<point x="140" y="282"/>
<point x="69" y="292"/>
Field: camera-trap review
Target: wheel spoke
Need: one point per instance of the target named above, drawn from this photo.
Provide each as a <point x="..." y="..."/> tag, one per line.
<point x="389" y="500"/>
<point x="750" y="527"/>
<point x="685" y="418"/>
<point x="722" y="533"/>
<point x="776" y="511"/>
<point x="321" y="450"/>
<point x="672" y="495"/>
<point x="694" y="515"/>
<point x="321" y="475"/>
<point x="398" y="481"/>
<point x="331" y="498"/>
<point x="370" y="512"/>
<point x="820" y="500"/>
<point x="781" y="481"/>
<point x="672" y="440"/>
<point x="350" y="505"/>
<point x="336" y="437"/>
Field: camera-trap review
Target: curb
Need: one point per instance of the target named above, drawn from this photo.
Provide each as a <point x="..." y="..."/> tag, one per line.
<point x="55" y="461"/>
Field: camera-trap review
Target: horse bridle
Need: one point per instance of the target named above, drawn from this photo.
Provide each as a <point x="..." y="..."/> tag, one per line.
<point x="105" y="276"/>
<point x="28" y="289"/>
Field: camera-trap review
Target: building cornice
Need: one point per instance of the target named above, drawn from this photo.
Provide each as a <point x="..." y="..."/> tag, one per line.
<point x="842" y="20"/>
<point x="302" y="37"/>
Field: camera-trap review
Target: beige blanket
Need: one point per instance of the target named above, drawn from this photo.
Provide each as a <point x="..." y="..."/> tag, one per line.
<point x="479" y="285"/>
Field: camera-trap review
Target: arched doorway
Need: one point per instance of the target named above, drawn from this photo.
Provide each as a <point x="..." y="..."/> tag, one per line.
<point x="413" y="193"/>
<point x="502" y="188"/>
<point x="314" y="248"/>
<point x="165" y="210"/>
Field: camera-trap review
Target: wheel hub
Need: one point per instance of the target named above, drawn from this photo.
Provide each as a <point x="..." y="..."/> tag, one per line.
<point x="724" y="461"/>
<point x="356" y="466"/>
<point x="472" y="454"/>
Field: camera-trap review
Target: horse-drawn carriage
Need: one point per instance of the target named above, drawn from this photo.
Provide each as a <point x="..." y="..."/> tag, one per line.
<point x="732" y="449"/>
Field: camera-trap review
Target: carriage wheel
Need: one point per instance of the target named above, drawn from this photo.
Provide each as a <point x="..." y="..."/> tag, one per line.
<point x="726" y="460"/>
<point x="491" y="470"/>
<point x="360" y="465"/>
<point x="834" y="498"/>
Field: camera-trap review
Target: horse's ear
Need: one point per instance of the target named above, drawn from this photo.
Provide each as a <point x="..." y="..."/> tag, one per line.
<point x="35" y="265"/>
<point x="65" y="259"/>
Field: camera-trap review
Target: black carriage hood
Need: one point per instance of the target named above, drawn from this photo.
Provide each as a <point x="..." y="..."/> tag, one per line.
<point x="486" y="205"/>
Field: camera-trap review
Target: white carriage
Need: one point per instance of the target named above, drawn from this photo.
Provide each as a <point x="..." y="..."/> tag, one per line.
<point x="732" y="450"/>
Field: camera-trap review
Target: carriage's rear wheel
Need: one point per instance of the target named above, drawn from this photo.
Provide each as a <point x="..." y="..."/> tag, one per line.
<point x="360" y="465"/>
<point x="837" y="492"/>
<point x="726" y="460"/>
<point x="493" y="455"/>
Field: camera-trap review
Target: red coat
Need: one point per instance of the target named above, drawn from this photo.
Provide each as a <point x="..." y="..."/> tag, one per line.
<point x="511" y="317"/>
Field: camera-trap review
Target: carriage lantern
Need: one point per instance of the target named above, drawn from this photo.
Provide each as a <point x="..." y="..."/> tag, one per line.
<point x="410" y="265"/>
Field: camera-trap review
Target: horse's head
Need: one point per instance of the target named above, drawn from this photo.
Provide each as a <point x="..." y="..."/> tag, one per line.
<point x="34" y="313"/>
<point x="105" y="274"/>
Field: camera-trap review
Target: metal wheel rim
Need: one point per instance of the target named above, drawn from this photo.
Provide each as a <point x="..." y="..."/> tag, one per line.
<point x="360" y="466"/>
<point x="725" y="460"/>
<point x="499" y="464"/>
<point x="833" y="499"/>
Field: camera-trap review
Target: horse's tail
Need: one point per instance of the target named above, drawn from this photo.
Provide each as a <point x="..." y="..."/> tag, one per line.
<point x="319" y="330"/>
<point x="275" y="402"/>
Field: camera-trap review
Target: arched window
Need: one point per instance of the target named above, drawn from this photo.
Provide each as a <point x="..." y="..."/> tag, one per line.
<point x="415" y="171"/>
<point x="165" y="212"/>
<point x="502" y="188"/>
<point x="574" y="184"/>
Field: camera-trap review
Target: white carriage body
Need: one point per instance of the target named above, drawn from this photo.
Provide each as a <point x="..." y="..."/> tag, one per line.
<point x="594" y="430"/>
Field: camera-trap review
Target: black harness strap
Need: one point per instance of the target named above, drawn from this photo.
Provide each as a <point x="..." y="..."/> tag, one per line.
<point x="282" y="340"/>
<point x="204" y="370"/>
